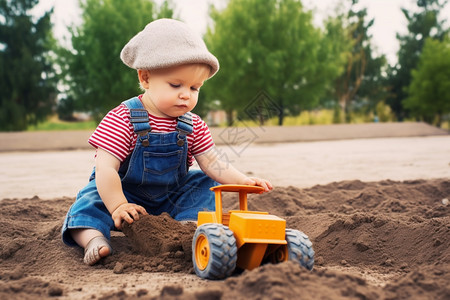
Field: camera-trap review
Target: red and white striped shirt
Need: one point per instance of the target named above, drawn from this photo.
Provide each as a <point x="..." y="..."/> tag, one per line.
<point x="115" y="134"/>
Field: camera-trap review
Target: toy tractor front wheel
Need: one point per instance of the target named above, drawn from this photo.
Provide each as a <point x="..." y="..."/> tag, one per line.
<point x="298" y="249"/>
<point x="214" y="251"/>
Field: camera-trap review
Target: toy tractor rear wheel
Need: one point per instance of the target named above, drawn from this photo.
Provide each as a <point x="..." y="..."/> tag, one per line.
<point x="214" y="251"/>
<point x="298" y="248"/>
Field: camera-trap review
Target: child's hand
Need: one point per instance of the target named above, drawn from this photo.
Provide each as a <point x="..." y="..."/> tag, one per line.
<point x="259" y="182"/>
<point x="128" y="212"/>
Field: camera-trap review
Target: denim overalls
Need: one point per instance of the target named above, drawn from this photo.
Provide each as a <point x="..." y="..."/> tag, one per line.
<point x="154" y="176"/>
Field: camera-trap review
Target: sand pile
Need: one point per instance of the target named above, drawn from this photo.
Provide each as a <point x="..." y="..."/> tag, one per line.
<point x="377" y="240"/>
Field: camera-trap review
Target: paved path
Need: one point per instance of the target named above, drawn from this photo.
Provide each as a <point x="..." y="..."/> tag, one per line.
<point x="240" y="136"/>
<point x="52" y="174"/>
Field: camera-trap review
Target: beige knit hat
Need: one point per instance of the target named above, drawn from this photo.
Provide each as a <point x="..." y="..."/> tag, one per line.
<point x="166" y="43"/>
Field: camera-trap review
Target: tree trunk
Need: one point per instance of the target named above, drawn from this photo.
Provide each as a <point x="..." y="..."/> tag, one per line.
<point x="229" y="113"/>
<point x="439" y="120"/>
<point x="343" y="100"/>
<point x="281" y="115"/>
<point x="261" y="116"/>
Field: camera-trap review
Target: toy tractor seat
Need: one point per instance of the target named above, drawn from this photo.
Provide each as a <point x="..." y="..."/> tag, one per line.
<point x="243" y="190"/>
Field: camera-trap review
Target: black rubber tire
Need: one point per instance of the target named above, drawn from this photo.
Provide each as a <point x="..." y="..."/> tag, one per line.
<point x="300" y="248"/>
<point x="222" y="251"/>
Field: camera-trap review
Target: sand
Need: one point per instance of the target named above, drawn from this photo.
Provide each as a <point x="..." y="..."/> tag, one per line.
<point x="376" y="211"/>
<point x="373" y="240"/>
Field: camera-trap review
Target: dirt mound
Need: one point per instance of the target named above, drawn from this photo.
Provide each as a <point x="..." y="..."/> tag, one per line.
<point x="364" y="239"/>
<point x="159" y="237"/>
<point x="373" y="240"/>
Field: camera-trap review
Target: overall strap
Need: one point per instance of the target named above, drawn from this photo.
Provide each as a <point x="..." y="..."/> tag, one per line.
<point x="185" y="126"/>
<point x="138" y="115"/>
<point x="139" y="119"/>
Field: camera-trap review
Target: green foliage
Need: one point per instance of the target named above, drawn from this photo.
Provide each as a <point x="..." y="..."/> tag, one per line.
<point x="361" y="83"/>
<point x="272" y="47"/>
<point x="338" y="115"/>
<point x="422" y="24"/>
<point x="429" y="91"/>
<point x="384" y="112"/>
<point x="96" y="78"/>
<point x="65" y="109"/>
<point x="27" y="84"/>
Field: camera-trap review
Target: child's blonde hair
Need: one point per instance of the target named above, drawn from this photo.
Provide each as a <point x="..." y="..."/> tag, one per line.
<point x="201" y="70"/>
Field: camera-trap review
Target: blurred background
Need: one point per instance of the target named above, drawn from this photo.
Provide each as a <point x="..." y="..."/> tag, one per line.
<point x="283" y="62"/>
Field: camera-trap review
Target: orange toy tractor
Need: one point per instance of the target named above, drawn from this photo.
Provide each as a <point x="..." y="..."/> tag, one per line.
<point x="243" y="238"/>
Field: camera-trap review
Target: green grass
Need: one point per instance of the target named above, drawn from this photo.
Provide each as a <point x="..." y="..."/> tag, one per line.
<point x="323" y="116"/>
<point x="53" y="124"/>
<point x="313" y="117"/>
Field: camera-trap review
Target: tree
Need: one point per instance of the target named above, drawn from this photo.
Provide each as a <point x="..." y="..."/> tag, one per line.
<point x="96" y="78"/>
<point x="361" y="81"/>
<point x="429" y="91"/>
<point x="28" y="84"/>
<point x="270" y="54"/>
<point x="421" y="25"/>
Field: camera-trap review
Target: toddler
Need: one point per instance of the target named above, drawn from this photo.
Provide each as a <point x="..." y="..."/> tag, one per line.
<point x="144" y="146"/>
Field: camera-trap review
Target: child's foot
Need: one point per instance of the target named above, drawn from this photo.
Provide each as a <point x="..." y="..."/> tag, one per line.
<point x="96" y="249"/>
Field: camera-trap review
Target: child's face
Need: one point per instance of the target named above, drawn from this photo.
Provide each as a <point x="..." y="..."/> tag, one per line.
<point x="173" y="91"/>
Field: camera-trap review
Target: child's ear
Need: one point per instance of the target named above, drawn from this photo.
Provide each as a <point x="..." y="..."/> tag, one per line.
<point x="144" y="78"/>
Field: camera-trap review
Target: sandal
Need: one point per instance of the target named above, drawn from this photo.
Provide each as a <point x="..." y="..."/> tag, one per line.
<point x="91" y="252"/>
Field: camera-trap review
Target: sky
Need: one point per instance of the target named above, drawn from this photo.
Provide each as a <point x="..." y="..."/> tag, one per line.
<point x="389" y="19"/>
